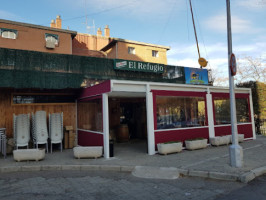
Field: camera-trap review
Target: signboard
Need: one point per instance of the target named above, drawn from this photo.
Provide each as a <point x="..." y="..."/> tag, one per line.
<point x="131" y="65"/>
<point x="233" y="64"/>
<point x="196" y="76"/>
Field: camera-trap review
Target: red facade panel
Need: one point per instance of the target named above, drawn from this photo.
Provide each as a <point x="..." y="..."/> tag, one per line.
<point x="96" y="90"/>
<point x="245" y="129"/>
<point x="89" y="139"/>
<point x="181" y="135"/>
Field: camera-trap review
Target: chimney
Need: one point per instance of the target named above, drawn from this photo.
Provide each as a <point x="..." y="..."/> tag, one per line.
<point x="58" y="23"/>
<point x="99" y="32"/>
<point x="52" y="23"/>
<point x="106" y="31"/>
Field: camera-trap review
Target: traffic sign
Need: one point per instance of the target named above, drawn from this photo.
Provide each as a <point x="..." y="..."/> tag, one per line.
<point x="233" y="64"/>
<point x="202" y="62"/>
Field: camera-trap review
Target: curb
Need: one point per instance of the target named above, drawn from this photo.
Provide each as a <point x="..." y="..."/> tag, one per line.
<point x="249" y="176"/>
<point x="244" y="178"/>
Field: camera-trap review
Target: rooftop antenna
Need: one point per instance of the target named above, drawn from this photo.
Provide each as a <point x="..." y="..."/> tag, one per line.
<point x="90" y="29"/>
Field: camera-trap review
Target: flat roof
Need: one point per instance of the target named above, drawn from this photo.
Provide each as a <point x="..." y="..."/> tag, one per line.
<point x="115" y="40"/>
<point x="73" y="33"/>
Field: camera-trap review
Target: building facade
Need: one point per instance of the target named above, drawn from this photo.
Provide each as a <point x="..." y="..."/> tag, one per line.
<point x="17" y="35"/>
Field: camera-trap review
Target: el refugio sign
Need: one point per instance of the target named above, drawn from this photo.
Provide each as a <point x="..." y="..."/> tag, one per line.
<point x="130" y="65"/>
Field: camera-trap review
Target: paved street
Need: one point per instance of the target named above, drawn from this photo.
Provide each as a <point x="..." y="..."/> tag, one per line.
<point x="54" y="185"/>
<point x="254" y="190"/>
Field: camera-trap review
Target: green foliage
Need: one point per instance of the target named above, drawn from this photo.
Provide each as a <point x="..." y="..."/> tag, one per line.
<point x="171" y="142"/>
<point x="199" y="138"/>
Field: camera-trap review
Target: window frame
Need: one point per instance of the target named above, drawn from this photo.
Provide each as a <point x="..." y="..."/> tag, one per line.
<point x="155" y="53"/>
<point x="131" y="50"/>
<point x="55" y="36"/>
<point x="177" y="94"/>
<point x="2" y="30"/>
<point x="226" y="96"/>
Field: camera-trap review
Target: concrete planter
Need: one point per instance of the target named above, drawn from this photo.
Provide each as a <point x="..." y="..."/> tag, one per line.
<point x="240" y="138"/>
<point x="166" y="148"/>
<point x="28" y="154"/>
<point x="88" y="152"/>
<point x="220" y="140"/>
<point x="196" y="144"/>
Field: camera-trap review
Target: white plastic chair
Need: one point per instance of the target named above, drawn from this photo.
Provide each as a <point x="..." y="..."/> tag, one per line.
<point x="39" y="129"/>
<point x="56" y="129"/>
<point x="21" y="128"/>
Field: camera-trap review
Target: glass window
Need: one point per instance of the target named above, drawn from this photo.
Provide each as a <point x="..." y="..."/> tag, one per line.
<point x="52" y="38"/>
<point x="131" y="50"/>
<point x="8" y="33"/>
<point x="90" y="115"/>
<point x="179" y="112"/>
<point x="155" y="53"/>
<point x="222" y="110"/>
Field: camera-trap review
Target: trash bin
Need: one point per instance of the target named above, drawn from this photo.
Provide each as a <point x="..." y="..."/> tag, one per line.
<point x="111" y="148"/>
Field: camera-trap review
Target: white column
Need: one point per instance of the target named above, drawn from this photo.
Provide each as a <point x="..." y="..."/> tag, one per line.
<point x="105" y="125"/>
<point x="210" y="114"/>
<point x="252" y="114"/>
<point x="150" y="121"/>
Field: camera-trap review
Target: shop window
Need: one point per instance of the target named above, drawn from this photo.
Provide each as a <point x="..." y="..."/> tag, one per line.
<point x="8" y="33"/>
<point x="180" y="112"/>
<point x="131" y="50"/>
<point x="52" y="40"/>
<point x="90" y="115"/>
<point x="222" y="110"/>
<point x="155" y="53"/>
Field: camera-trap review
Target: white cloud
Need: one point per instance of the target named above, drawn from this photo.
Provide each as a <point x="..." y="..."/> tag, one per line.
<point x="252" y="4"/>
<point x="219" y="23"/>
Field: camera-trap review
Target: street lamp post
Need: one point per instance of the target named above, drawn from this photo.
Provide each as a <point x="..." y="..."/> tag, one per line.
<point x="236" y="151"/>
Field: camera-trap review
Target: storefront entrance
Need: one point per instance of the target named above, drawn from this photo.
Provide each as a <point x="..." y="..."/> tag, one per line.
<point x="127" y="121"/>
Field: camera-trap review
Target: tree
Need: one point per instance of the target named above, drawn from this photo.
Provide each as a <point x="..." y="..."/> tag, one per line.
<point x="248" y="69"/>
<point x="251" y="69"/>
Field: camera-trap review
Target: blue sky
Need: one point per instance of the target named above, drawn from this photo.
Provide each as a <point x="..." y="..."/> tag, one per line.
<point x="164" y="22"/>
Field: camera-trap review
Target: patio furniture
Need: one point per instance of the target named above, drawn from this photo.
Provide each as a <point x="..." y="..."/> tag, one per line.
<point x="3" y="141"/>
<point x="56" y="129"/>
<point x="39" y="129"/>
<point x="21" y="128"/>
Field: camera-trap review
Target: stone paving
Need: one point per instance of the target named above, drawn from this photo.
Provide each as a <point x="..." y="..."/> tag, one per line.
<point x="212" y="162"/>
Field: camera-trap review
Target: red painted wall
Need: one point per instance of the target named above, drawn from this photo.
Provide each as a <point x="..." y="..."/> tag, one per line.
<point x="96" y="89"/>
<point x="245" y="129"/>
<point x="89" y="139"/>
<point x="181" y="135"/>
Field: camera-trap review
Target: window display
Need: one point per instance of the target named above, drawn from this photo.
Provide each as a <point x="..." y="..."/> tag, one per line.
<point x="180" y="112"/>
<point x="222" y="110"/>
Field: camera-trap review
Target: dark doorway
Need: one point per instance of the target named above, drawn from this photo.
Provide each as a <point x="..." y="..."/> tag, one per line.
<point x="127" y="120"/>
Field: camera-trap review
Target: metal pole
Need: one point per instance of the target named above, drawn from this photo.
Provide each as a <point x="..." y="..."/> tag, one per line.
<point x="194" y="27"/>
<point x="236" y="151"/>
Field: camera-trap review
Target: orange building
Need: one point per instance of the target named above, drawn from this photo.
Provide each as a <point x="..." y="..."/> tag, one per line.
<point x="17" y="35"/>
<point x="105" y="46"/>
<point x="91" y="45"/>
<point x="138" y="51"/>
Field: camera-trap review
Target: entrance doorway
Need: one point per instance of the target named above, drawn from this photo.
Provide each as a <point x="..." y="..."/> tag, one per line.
<point x="127" y="122"/>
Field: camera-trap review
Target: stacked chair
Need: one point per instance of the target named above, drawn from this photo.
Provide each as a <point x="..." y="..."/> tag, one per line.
<point x="39" y="129"/>
<point x="21" y="127"/>
<point x="56" y="129"/>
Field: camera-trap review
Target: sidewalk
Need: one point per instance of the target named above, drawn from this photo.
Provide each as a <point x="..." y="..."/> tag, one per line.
<point x="212" y="162"/>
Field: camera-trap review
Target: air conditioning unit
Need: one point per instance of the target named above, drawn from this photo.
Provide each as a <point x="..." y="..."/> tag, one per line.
<point x="50" y="44"/>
